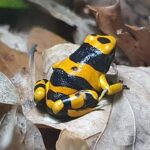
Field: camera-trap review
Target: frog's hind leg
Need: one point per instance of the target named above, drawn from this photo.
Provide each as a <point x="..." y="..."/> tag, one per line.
<point x="40" y="93"/>
<point x="76" y="104"/>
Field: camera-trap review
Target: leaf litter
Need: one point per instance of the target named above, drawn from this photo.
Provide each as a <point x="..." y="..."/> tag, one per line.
<point x="128" y="129"/>
<point x="16" y="132"/>
<point x="110" y="21"/>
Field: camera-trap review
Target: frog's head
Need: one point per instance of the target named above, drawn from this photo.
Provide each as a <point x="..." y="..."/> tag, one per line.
<point x="106" y="45"/>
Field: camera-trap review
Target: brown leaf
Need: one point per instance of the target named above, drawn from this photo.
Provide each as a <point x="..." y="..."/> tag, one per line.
<point x="128" y="126"/>
<point x="19" y="133"/>
<point x="82" y="26"/>
<point x="16" y="132"/>
<point x="70" y="141"/>
<point x="110" y="21"/>
<point x="8" y="93"/>
<point x="11" y="60"/>
<point x="44" y="39"/>
<point x="4" y="108"/>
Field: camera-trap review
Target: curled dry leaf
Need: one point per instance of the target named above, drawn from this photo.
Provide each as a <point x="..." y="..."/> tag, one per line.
<point x="8" y="93"/>
<point x="11" y="61"/>
<point x="70" y="141"/>
<point x="16" y="132"/>
<point x="128" y="127"/>
<point x="86" y="126"/>
<point x="44" y="40"/>
<point x="132" y="40"/>
<point x="83" y="26"/>
<point x="134" y="11"/>
<point x="13" y="40"/>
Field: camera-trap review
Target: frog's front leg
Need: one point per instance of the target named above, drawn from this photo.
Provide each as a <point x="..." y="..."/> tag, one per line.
<point x="40" y="93"/>
<point x="111" y="89"/>
<point x="75" y="105"/>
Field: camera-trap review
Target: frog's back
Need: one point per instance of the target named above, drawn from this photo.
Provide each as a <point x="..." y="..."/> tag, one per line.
<point x="81" y="70"/>
<point x="61" y="78"/>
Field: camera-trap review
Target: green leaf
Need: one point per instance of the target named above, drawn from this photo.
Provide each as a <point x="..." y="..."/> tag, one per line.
<point x="15" y="4"/>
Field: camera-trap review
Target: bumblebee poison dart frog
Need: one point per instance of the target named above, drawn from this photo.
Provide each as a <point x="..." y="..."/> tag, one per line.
<point x="76" y="82"/>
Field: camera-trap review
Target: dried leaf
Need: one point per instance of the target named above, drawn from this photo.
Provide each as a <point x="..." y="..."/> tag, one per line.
<point x="110" y="21"/>
<point x="16" y="132"/>
<point x="21" y="80"/>
<point x="13" y="40"/>
<point x="8" y="93"/>
<point x="71" y="141"/>
<point x="31" y="136"/>
<point x="44" y="40"/>
<point x="69" y="17"/>
<point x="7" y="127"/>
<point x="130" y="9"/>
<point x="128" y="127"/>
<point x="11" y="60"/>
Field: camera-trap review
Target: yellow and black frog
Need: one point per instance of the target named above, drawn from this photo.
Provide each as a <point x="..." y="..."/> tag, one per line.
<point x="76" y="82"/>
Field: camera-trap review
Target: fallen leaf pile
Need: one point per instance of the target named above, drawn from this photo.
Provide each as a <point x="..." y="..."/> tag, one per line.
<point x="9" y="60"/>
<point x="126" y="119"/>
<point x="134" y="41"/>
<point x="83" y="26"/>
<point x="16" y="132"/>
<point x="122" y="123"/>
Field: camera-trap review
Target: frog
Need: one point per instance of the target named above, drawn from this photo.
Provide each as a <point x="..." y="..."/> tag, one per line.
<point x="76" y="84"/>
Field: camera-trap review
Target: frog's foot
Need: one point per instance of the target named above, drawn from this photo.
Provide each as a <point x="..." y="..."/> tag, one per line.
<point x="40" y="91"/>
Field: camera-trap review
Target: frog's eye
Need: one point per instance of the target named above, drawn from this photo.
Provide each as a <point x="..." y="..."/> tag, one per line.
<point x="103" y="40"/>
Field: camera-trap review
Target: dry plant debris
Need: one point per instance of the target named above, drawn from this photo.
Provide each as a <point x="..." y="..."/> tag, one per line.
<point x="44" y="40"/>
<point x="69" y="140"/>
<point x="13" y="40"/>
<point x="132" y="40"/>
<point x="16" y="132"/>
<point x="83" y="26"/>
<point x="123" y="124"/>
<point x="11" y="61"/>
